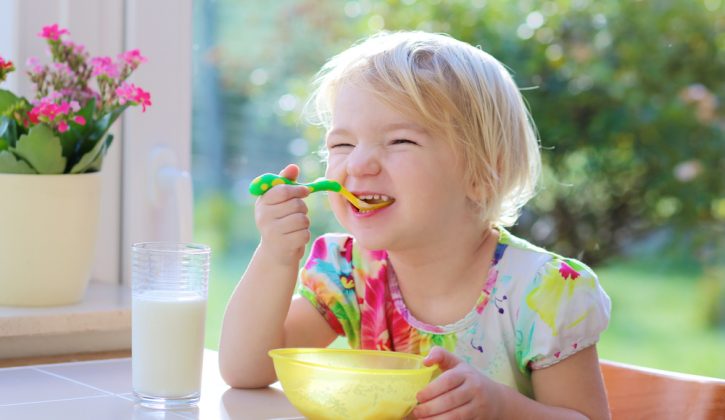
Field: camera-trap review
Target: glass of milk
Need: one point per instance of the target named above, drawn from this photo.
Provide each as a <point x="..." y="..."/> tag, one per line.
<point x="167" y="330"/>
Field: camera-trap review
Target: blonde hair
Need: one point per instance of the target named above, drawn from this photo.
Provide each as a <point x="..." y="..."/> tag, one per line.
<point x="456" y="91"/>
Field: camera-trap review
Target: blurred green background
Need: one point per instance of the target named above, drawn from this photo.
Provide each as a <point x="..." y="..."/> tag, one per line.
<point x="627" y="97"/>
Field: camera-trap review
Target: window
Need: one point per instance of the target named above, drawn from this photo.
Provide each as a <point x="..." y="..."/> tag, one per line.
<point x="628" y="131"/>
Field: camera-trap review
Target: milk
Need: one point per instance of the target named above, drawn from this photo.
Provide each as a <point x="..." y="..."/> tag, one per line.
<point x="167" y="343"/>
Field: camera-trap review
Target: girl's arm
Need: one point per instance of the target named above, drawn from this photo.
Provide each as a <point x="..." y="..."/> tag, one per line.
<point x="254" y="321"/>
<point x="570" y="389"/>
<point x="257" y="320"/>
<point x="576" y="382"/>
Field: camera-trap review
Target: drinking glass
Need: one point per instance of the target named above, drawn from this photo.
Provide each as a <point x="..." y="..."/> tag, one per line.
<point x="168" y="309"/>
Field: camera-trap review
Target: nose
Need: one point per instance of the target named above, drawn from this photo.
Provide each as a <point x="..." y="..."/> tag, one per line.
<point x="363" y="161"/>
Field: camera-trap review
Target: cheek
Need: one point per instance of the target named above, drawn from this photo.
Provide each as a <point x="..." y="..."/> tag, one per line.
<point x="338" y="205"/>
<point x="335" y="167"/>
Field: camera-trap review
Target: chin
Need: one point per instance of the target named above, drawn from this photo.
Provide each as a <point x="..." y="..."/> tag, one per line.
<point x="370" y="241"/>
<point x="370" y="245"/>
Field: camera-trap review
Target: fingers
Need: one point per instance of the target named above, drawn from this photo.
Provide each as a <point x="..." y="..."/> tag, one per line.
<point x="446" y="382"/>
<point x="281" y="193"/>
<point x="443" y="358"/>
<point x="290" y="171"/>
<point x="466" y="411"/>
<point x="445" y="394"/>
<point x="459" y="392"/>
<point x="285" y="230"/>
<point x="291" y="223"/>
<point x="283" y="218"/>
<point x="278" y="209"/>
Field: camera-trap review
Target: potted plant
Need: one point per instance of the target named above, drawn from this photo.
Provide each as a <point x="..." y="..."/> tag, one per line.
<point x="51" y="151"/>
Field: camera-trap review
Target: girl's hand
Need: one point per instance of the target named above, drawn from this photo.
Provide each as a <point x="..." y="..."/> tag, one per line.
<point x="460" y="392"/>
<point x="281" y="218"/>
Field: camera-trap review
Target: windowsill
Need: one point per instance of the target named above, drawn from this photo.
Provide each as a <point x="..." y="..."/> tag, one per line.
<point x="101" y="322"/>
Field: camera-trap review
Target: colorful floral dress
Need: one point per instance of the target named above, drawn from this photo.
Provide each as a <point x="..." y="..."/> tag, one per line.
<point x="536" y="308"/>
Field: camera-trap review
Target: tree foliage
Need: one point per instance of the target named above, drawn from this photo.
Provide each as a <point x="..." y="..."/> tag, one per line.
<point x="627" y="97"/>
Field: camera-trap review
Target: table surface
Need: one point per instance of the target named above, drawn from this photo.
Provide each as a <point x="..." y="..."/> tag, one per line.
<point x="101" y="389"/>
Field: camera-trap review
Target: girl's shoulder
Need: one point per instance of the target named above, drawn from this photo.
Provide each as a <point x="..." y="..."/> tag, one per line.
<point x="522" y="253"/>
<point x="560" y="305"/>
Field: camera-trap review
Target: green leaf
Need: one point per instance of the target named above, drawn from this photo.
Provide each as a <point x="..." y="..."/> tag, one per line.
<point x="7" y="99"/>
<point x="77" y="140"/>
<point x="10" y="165"/>
<point x="98" y="162"/>
<point x="102" y="125"/>
<point x="8" y="130"/>
<point x="92" y="161"/>
<point x="42" y="149"/>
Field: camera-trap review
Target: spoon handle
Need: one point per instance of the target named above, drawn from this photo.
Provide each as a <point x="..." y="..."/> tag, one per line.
<point x="263" y="183"/>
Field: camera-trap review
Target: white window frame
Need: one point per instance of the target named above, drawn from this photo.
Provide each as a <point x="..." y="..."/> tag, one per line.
<point x="157" y="200"/>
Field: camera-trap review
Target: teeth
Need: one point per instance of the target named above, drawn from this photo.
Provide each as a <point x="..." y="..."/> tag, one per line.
<point x="376" y="197"/>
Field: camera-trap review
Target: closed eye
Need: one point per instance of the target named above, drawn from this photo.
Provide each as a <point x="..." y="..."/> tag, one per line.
<point x="340" y="145"/>
<point x="403" y="141"/>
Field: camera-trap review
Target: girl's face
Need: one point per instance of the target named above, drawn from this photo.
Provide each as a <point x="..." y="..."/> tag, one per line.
<point x="374" y="150"/>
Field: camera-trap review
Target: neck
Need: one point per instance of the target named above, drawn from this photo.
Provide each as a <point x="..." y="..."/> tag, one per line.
<point x="435" y="268"/>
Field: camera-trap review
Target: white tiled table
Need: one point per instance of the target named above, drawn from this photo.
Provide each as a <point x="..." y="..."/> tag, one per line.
<point x="101" y="390"/>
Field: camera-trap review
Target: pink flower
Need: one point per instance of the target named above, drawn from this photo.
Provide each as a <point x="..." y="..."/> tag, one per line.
<point x="62" y="127"/>
<point x="5" y="68"/>
<point x="6" y="65"/>
<point x="63" y="68"/>
<point x="77" y="48"/>
<point x="133" y="58"/>
<point x="128" y="92"/>
<point x="143" y="98"/>
<point x="52" y="32"/>
<point x="33" y="116"/>
<point x="52" y="96"/>
<point x="34" y="65"/>
<point x="104" y="66"/>
<point x="47" y="110"/>
<point x="44" y="111"/>
<point x="63" y="108"/>
<point x="78" y="119"/>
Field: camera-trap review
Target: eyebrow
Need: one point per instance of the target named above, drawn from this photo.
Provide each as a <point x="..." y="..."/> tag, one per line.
<point x="404" y="126"/>
<point x="387" y="127"/>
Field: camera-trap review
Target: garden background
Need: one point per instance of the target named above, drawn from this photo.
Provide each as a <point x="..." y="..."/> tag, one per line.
<point x="627" y="97"/>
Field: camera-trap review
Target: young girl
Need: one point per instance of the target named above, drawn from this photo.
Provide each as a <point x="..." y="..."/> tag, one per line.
<point x="437" y="129"/>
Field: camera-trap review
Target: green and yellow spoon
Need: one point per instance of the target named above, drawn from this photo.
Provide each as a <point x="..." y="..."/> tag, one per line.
<point x="265" y="182"/>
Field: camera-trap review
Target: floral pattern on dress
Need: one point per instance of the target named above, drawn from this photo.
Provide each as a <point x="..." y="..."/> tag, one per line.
<point x="535" y="307"/>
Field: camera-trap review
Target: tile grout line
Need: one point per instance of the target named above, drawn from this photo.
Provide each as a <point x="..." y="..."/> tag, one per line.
<point x="49" y="401"/>
<point x="73" y="380"/>
<point x="76" y="363"/>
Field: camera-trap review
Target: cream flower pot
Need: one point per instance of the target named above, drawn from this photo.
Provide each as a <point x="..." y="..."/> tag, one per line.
<point x="48" y="226"/>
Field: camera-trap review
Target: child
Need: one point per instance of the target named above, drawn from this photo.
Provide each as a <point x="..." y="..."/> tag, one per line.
<point x="438" y="130"/>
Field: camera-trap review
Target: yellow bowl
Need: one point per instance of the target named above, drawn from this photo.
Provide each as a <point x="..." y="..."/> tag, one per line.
<point x="351" y="384"/>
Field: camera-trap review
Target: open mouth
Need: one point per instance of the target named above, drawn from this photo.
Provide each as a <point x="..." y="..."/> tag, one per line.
<point x="375" y="202"/>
